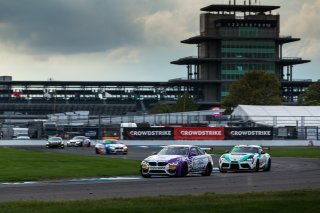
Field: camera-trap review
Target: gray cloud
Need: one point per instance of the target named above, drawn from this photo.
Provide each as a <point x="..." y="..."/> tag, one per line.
<point x="71" y="26"/>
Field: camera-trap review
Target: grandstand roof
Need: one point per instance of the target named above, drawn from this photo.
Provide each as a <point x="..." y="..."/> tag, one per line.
<point x="280" y="115"/>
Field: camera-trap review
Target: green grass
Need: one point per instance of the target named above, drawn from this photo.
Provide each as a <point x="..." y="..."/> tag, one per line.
<point x="305" y="152"/>
<point x="284" y="202"/>
<point x="22" y="165"/>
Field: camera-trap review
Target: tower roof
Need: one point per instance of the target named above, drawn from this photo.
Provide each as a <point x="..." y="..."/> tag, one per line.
<point x="238" y="8"/>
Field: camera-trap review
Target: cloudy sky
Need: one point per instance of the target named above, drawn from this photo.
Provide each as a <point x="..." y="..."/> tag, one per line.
<point x="126" y="40"/>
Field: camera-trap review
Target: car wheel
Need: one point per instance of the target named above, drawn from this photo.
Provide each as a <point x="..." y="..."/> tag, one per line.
<point x="268" y="166"/>
<point x="208" y="170"/>
<point x="184" y="170"/>
<point x="89" y="144"/>
<point x="97" y="151"/>
<point x="257" y="167"/>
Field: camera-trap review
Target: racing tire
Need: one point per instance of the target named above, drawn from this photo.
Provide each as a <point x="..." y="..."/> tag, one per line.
<point x="96" y="150"/>
<point x="89" y="145"/>
<point x="257" y="167"/>
<point x="184" y="170"/>
<point x="208" y="170"/>
<point x="268" y="166"/>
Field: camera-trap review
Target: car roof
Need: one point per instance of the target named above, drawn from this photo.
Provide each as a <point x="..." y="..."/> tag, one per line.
<point x="182" y="146"/>
<point x="254" y="146"/>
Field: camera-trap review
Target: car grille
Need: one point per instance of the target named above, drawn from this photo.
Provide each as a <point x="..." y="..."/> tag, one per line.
<point x="157" y="172"/>
<point x="247" y="166"/>
<point x="158" y="163"/>
<point x="234" y="166"/>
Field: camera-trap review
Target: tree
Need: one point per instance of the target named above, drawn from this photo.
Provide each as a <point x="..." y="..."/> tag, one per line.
<point x="253" y="88"/>
<point x="311" y="96"/>
<point x="161" y="108"/>
<point x="185" y="103"/>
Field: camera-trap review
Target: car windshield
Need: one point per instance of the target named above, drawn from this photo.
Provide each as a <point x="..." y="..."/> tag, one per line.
<point x="245" y="149"/>
<point x="174" y="150"/>
<point x="78" y="137"/>
<point x="111" y="142"/>
<point x="54" y="139"/>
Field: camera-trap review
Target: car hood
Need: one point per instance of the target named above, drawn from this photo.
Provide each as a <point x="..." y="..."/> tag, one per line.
<point x="54" y="141"/>
<point x="238" y="157"/>
<point x="166" y="158"/>
<point x="75" y="140"/>
<point x="116" y="145"/>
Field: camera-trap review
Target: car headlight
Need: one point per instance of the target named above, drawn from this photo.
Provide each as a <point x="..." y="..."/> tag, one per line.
<point x="225" y="158"/>
<point x="250" y="158"/>
<point x="145" y="162"/>
<point x="173" y="165"/>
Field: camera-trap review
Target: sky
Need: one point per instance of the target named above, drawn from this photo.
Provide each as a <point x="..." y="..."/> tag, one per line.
<point x="127" y="40"/>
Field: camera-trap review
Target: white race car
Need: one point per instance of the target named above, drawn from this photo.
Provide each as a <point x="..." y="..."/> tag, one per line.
<point x="79" y="141"/>
<point x="245" y="157"/>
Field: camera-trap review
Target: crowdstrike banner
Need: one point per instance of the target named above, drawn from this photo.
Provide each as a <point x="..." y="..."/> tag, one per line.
<point x="163" y="133"/>
<point x="198" y="133"/>
<point x="249" y="133"/>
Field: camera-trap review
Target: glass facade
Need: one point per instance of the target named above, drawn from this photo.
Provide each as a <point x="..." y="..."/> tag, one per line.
<point x="248" y="49"/>
<point x="233" y="71"/>
<point x="247" y="32"/>
<point x="236" y="49"/>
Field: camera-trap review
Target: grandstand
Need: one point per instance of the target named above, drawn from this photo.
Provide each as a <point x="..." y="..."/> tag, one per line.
<point x="100" y="98"/>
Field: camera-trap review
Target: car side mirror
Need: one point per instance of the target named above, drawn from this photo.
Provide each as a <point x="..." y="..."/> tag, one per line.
<point x="154" y="153"/>
<point x="227" y="151"/>
<point x="263" y="152"/>
<point x="193" y="154"/>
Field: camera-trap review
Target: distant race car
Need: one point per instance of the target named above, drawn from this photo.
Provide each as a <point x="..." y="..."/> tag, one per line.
<point x="111" y="147"/>
<point x="245" y="157"/>
<point x="55" y="142"/>
<point x="177" y="160"/>
<point x="79" y="141"/>
<point x="22" y="137"/>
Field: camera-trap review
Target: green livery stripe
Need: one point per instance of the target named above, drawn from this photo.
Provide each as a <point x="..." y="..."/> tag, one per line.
<point x="244" y="158"/>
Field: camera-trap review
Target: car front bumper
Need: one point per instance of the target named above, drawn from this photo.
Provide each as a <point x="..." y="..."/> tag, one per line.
<point x="165" y="169"/>
<point x="235" y="165"/>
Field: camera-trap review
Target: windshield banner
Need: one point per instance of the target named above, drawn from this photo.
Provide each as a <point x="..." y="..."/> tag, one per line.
<point x="249" y="133"/>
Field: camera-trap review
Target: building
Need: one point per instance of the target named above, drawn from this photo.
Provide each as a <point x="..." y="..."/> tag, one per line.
<point x="97" y="97"/>
<point x="234" y="39"/>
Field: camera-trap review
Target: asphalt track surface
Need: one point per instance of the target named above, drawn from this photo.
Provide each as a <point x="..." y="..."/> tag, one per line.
<point x="286" y="174"/>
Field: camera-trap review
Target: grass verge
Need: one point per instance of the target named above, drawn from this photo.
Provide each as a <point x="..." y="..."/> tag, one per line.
<point x="284" y="202"/>
<point x="22" y="165"/>
<point x="305" y="152"/>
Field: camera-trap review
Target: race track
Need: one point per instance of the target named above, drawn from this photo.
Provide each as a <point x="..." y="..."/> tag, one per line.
<point x="286" y="174"/>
